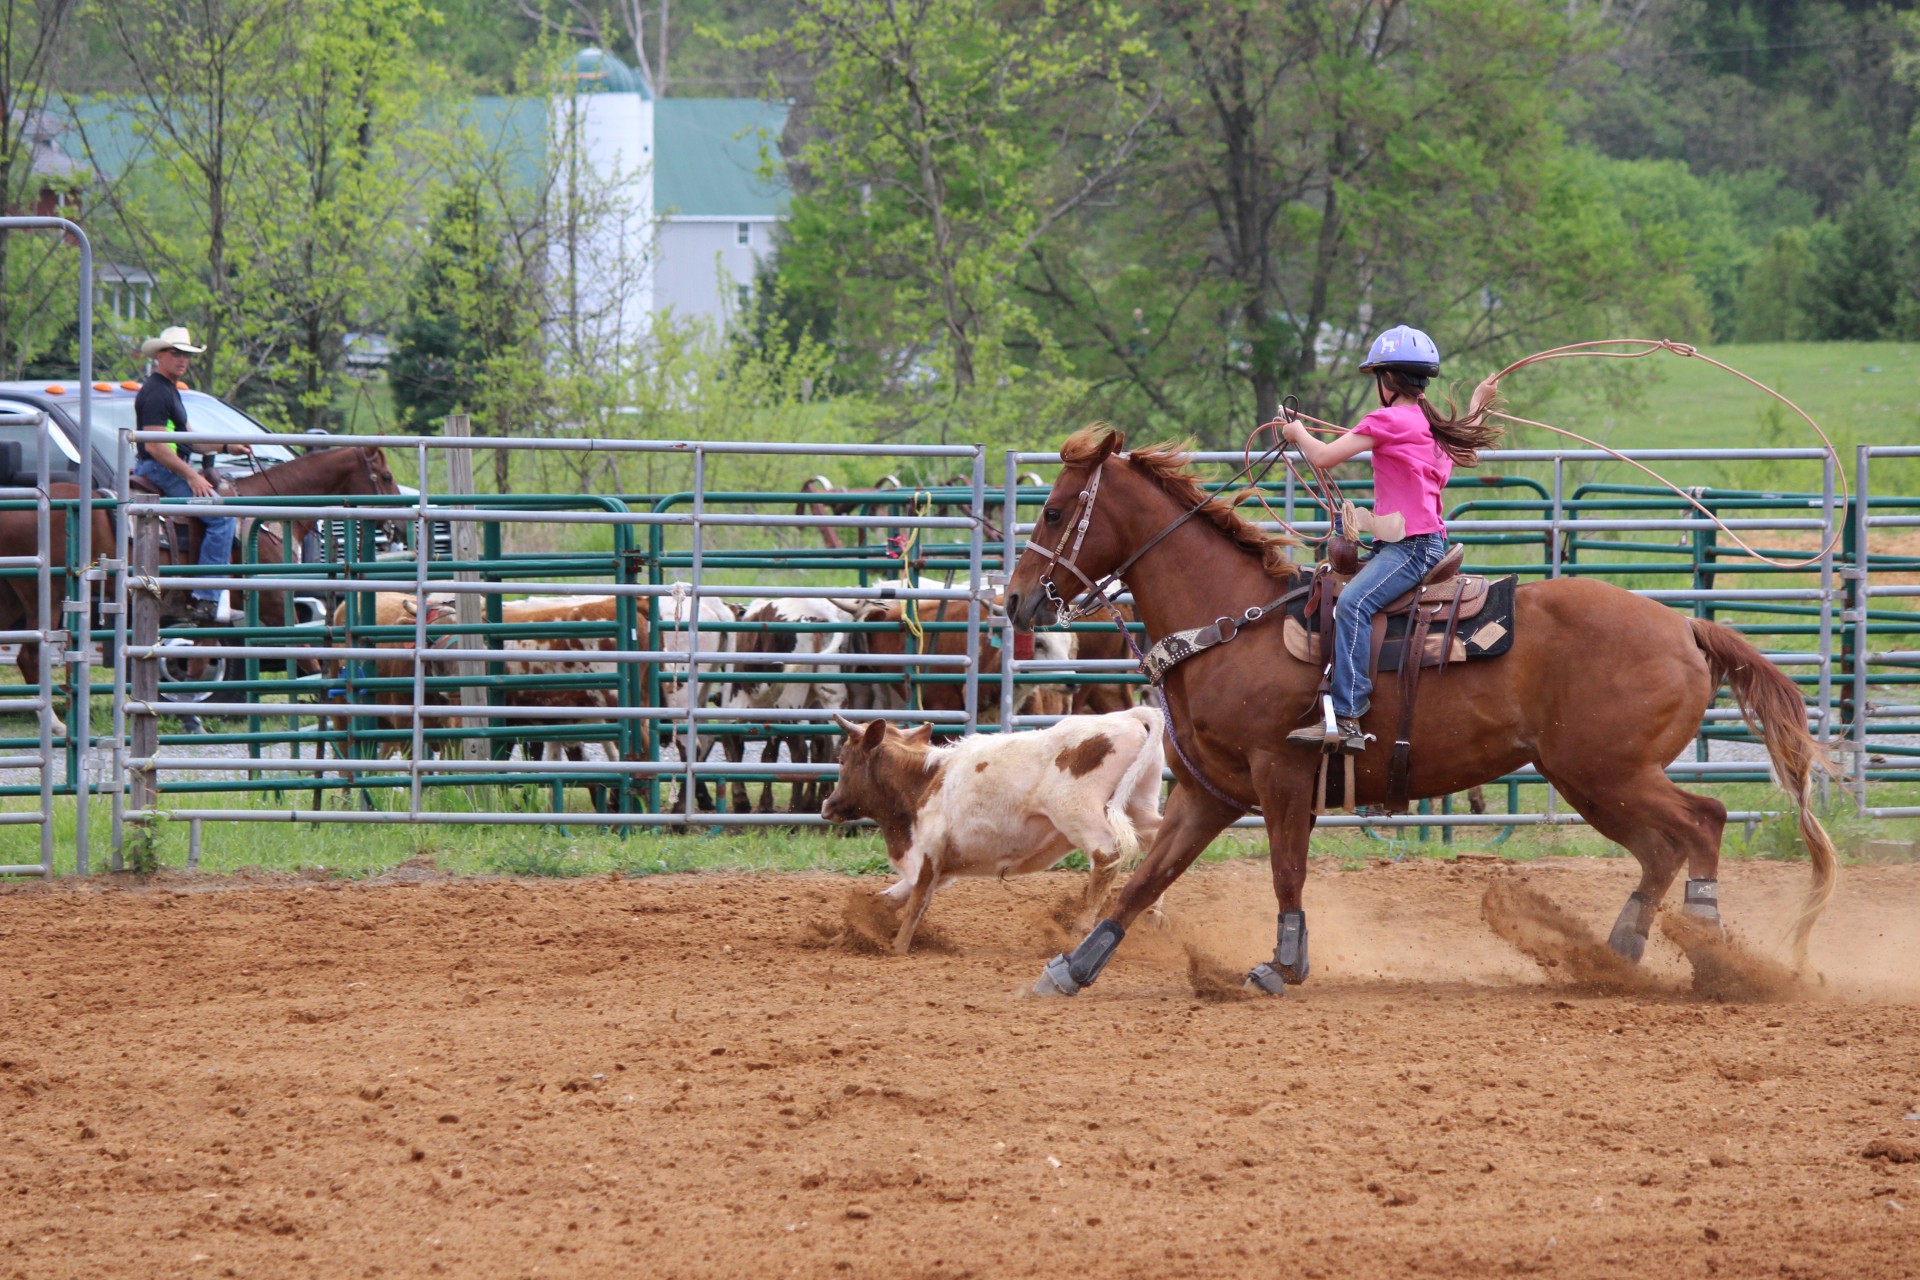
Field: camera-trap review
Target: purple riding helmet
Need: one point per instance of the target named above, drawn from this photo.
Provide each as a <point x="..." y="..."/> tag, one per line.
<point x="1403" y="349"/>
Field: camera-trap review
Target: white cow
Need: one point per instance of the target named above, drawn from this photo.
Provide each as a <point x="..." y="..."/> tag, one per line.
<point x="824" y="695"/>
<point x="1002" y="804"/>
<point x="678" y="608"/>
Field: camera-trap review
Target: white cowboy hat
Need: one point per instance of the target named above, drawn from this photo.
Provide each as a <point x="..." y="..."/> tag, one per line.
<point x="172" y="338"/>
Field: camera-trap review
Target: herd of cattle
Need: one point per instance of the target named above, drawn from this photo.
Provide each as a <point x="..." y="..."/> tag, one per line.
<point x="785" y="627"/>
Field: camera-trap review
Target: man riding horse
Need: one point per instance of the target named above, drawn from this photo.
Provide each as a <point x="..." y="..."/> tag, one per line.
<point x="158" y="407"/>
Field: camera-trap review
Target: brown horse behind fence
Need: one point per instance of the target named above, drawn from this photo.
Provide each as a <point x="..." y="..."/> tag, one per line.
<point x="1600" y="691"/>
<point x="320" y="473"/>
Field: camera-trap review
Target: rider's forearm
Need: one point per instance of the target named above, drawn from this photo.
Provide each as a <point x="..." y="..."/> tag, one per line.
<point x="1314" y="450"/>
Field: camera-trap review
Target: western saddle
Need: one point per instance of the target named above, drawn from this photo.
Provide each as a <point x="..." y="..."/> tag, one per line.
<point x="183" y="534"/>
<point x="1425" y="627"/>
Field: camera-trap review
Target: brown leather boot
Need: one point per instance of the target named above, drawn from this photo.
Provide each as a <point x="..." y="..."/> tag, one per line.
<point x="1312" y="735"/>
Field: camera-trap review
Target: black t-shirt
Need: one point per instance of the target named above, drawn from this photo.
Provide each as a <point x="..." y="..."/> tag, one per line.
<point x="158" y="405"/>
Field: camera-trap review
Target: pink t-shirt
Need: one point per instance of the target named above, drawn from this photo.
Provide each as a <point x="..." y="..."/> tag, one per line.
<point x="1409" y="468"/>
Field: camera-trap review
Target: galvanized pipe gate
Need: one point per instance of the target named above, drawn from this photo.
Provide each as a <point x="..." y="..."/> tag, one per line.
<point x="456" y="700"/>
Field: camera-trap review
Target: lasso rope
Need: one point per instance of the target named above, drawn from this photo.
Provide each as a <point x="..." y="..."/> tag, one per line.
<point x="1325" y="495"/>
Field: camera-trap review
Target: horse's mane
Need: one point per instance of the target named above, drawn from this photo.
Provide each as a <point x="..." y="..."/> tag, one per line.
<point x="1169" y="465"/>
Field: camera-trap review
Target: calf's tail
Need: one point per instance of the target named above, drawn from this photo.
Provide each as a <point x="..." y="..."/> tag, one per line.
<point x="1151" y="757"/>
<point x="1773" y="709"/>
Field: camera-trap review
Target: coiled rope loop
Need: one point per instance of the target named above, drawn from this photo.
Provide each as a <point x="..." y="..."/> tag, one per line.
<point x="1323" y="492"/>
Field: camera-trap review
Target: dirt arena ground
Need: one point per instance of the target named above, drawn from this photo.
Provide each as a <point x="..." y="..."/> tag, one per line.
<point x="706" y="1076"/>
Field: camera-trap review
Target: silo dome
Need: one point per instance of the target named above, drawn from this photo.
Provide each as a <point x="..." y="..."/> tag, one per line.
<point x="597" y="71"/>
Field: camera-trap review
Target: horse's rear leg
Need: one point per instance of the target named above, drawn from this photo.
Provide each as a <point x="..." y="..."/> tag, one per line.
<point x="1663" y="827"/>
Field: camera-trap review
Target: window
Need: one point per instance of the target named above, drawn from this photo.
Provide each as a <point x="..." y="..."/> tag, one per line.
<point x="743" y="233"/>
<point x="743" y="295"/>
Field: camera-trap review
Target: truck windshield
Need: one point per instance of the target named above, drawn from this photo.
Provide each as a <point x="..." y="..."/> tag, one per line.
<point x="110" y="417"/>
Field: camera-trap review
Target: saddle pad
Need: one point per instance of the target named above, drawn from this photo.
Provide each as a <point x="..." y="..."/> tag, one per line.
<point x="1488" y="634"/>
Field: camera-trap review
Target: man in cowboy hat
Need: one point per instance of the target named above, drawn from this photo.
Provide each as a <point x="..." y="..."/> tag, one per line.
<point x="158" y="407"/>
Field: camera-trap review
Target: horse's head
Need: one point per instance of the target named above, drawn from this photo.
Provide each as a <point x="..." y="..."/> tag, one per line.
<point x="1076" y="541"/>
<point x="365" y="471"/>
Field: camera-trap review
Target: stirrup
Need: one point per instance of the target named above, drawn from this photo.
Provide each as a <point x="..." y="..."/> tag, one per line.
<point x="1324" y="733"/>
<point x="1309" y="735"/>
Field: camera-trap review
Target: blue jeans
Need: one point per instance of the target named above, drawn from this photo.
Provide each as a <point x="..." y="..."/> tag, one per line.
<point x="217" y="546"/>
<point x="1392" y="570"/>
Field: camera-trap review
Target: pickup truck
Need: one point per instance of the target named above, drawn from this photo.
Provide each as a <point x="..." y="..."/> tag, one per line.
<point x="113" y="411"/>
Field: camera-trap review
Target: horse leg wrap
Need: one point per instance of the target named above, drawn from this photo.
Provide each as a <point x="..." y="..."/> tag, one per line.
<point x="1703" y="900"/>
<point x="1289" y="966"/>
<point x="1065" y="975"/>
<point x="1629" y="937"/>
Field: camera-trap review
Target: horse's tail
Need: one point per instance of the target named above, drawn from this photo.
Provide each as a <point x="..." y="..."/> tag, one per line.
<point x="1773" y="709"/>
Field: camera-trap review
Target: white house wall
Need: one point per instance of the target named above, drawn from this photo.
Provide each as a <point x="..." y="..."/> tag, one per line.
<point x="702" y="264"/>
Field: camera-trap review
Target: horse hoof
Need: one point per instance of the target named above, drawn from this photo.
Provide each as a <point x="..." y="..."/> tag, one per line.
<point x="1702" y="901"/>
<point x="1707" y="914"/>
<point x="1267" y="980"/>
<point x="1056" y="979"/>
<point x="1627" y="942"/>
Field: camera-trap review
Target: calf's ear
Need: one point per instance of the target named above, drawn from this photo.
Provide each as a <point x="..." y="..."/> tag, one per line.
<point x="874" y="734"/>
<point x="923" y="735"/>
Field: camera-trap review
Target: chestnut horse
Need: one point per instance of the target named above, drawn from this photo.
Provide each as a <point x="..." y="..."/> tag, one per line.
<point x="1600" y="690"/>
<point x="318" y="473"/>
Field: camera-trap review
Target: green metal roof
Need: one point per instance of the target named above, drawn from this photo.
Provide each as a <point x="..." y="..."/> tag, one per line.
<point x="511" y="132"/>
<point x="708" y="157"/>
<point x="708" y="152"/>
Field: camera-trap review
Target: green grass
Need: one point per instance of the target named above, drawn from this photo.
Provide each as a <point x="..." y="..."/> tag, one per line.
<point x="1861" y="392"/>
<point x="572" y="848"/>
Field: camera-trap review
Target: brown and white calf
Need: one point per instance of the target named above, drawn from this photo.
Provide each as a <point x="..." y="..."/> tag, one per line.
<point x="1002" y="804"/>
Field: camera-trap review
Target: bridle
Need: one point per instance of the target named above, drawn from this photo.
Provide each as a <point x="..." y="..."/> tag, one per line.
<point x="1062" y="556"/>
<point x="1097" y="597"/>
<point x="1077" y="530"/>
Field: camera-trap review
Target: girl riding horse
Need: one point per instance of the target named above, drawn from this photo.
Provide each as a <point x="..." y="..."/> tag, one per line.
<point x="1414" y="448"/>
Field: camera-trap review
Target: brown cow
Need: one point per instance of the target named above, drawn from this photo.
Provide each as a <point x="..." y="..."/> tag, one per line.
<point x="893" y="695"/>
<point x="390" y="609"/>
<point x="396" y="609"/>
<point x="1102" y="697"/>
<point x="553" y="610"/>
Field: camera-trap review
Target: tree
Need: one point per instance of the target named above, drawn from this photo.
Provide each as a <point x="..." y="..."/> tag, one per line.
<point x="1854" y="289"/>
<point x="945" y="138"/>
<point x="465" y="309"/>
<point x="1326" y="170"/>
<point x="39" y="275"/>
<point x="278" y="150"/>
<point x="1774" y="293"/>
